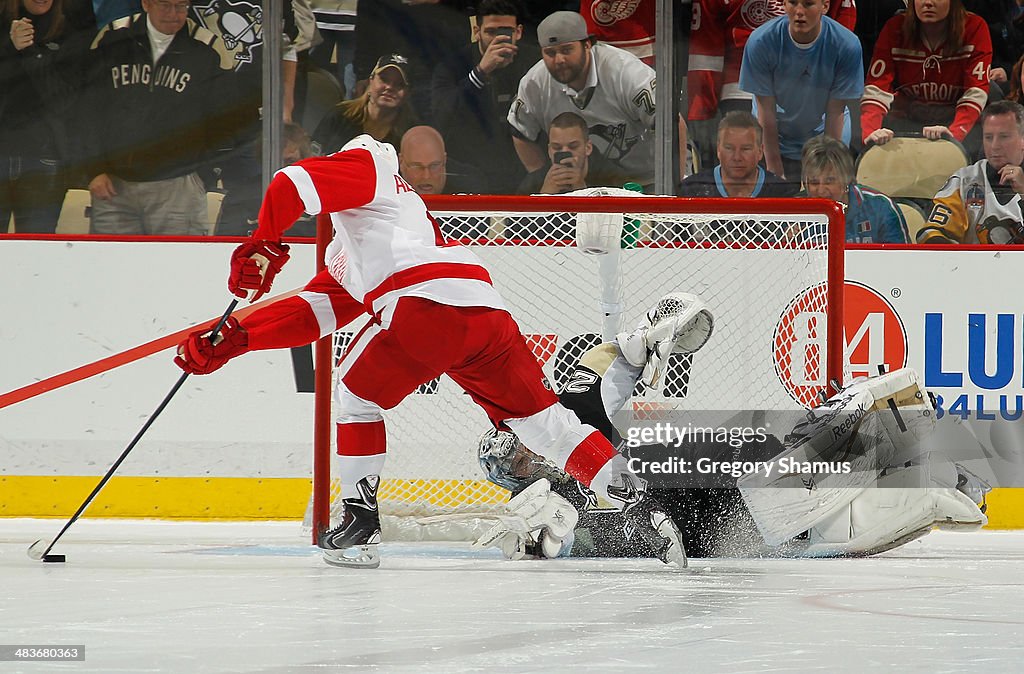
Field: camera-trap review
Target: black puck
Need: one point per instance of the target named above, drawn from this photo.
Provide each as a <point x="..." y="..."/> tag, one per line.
<point x="53" y="558"/>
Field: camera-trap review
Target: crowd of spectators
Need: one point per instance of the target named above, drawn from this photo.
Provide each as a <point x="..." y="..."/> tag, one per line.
<point x="151" y="104"/>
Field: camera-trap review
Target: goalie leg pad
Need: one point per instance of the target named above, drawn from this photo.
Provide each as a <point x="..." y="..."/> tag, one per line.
<point x="872" y="424"/>
<point x="892" y="515"/>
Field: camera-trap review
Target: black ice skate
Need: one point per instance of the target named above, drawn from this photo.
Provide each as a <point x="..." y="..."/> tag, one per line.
<point x="353" y="543"/>
<point x="647" y="519"/>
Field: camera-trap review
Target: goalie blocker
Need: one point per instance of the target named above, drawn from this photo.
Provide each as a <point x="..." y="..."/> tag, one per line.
<point x="906" y="499"/>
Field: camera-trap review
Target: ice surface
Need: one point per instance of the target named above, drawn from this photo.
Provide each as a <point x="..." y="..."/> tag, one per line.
<point x="252" y="597"/>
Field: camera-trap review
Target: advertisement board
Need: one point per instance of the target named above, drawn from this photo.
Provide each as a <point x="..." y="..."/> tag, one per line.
<point x="89" y="329"/>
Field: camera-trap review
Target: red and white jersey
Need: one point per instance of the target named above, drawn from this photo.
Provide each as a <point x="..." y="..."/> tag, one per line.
<point x="386" y="245"/>
<point x="922" y="84"/>
<point x="718" y="32"/>
<point x="626" y="24"/>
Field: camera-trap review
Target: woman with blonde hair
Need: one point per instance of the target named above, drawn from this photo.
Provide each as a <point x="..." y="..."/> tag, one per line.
<point x="828" y="173"/>
<point x="928" y="73"/>
<point x="383" y="111"/>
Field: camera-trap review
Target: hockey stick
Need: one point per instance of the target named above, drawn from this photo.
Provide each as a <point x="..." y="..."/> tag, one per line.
<point x="40" y="550"/>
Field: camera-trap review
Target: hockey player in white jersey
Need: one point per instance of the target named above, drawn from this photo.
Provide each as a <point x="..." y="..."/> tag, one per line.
<point x="871" y="511"/>
<point x="433" y="311"/>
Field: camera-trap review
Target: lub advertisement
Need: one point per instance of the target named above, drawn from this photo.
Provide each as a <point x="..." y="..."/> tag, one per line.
<point x="939" y="312"/>
<point x="942" y="313"/>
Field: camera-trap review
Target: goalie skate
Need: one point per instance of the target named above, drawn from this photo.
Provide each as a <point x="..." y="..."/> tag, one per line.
<point x="647" y="519"/>
<point x="353" y="543"/>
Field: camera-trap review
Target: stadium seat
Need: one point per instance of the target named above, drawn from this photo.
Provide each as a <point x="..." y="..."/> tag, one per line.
<point x="910" y="167"/>
<point x="75" y="213"/>
<point x="913" y="214"/>
<point x="214" y="201"/>
<point x="322" y="93"/>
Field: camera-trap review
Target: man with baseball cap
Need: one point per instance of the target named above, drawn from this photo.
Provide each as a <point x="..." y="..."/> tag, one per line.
<point x="610" y="88"/>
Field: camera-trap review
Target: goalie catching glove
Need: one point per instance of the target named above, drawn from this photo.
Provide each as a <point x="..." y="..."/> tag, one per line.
<point x="254" y="265"/>
<point x="200" y="355"/>
<point x="679" y="323"/>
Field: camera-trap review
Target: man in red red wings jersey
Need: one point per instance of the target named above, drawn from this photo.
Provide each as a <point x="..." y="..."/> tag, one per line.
<point x="433" y="311"/>
<point x="718" y="32"/>
<point x="626" y="24"/>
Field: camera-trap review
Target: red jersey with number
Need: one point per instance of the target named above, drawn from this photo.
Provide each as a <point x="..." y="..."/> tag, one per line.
<point x="626" y="24"/>
<point x="386" y="245"/>
<point x="718" y="32"/>
<point x="917" y="82"/>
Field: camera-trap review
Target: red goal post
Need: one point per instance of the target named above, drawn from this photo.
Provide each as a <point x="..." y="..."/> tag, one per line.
<point x="770" y="270"/>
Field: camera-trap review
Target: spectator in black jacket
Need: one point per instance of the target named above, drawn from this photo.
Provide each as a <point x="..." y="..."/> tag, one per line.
<point x="473" y="89"/>
<point x="40" y="71"/>
<point x="574" y="161"/>
<point x="1005" y="21"/>
<point x="154" y="90"/>
<point x="239" y="27"/>
<point x="425" y="31"/>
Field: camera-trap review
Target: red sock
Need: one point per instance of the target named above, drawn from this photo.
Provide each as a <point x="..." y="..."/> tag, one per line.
<point x="589" y="457"/>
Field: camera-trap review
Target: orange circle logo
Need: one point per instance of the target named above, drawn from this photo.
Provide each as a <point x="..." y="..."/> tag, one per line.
<point x="873" y="335"/>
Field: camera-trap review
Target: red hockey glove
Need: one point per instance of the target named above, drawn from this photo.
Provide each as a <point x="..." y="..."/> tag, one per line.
<point x="254" y="265"/>
<point x="199" y="355"/>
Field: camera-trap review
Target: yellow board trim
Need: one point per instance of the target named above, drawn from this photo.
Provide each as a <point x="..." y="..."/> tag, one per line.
<point x="1005" y="508"/>
<point x="244" y="498"/>
<point x="219" y="498"/>
<point x="216" y="498"/>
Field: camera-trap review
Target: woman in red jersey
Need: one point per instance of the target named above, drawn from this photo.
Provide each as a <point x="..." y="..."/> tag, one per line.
<point x="928" y="73"/>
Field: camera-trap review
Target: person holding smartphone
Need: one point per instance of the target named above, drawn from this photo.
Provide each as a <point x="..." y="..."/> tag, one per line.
<point x="473" y="87"/>
<point x="575" y="162"/>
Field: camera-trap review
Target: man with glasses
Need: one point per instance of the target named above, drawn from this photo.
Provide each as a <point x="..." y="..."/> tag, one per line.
<point x="154" y="91"/>
<point x="423" y="162"/>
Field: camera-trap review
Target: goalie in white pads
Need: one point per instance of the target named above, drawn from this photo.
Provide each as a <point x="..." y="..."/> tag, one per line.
<point x="899" y="494"/>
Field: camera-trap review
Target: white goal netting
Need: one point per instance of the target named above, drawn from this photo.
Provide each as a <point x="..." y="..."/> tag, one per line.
<point x="763" y="268"/>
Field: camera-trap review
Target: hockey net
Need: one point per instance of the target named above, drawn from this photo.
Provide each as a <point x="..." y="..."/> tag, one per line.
<point x="769" y="270"/>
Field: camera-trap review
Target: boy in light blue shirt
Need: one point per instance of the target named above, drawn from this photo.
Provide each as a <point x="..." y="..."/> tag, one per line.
<point x="802" y="69"/>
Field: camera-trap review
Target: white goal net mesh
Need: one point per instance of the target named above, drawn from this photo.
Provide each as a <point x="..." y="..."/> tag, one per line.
<point x="762" y="276"/>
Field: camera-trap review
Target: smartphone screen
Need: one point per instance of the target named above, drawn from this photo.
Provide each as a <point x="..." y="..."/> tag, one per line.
<point x="561" y="157"/>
